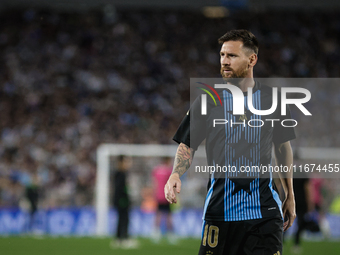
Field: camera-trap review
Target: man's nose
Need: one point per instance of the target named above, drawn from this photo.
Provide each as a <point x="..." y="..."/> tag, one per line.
<point x="225" y="61"/>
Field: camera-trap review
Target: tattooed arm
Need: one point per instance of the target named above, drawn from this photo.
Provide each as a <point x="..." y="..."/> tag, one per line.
<point x="183" y="159"/>
<point x="284" y="157"/>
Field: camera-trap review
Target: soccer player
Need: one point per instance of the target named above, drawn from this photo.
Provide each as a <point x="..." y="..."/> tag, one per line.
<point x="122" y="204"/>
<point x="32" y="194"/>
<point x="241" y="215"/>
<point x="304" y="206"/>
<point x="160" y="175"/>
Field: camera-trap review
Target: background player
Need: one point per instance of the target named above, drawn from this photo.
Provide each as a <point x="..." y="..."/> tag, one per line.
<point x="122" y="204"/>
<point x="304" y="205"/>
<point x="160" y="175"/>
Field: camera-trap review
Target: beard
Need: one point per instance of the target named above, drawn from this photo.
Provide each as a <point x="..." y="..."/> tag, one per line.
<point x="234" y="75"/>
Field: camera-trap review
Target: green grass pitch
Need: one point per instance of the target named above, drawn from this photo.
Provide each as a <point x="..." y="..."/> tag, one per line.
<point x="89" y="246"/>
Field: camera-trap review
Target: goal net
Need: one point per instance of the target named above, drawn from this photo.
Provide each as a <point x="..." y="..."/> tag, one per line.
<point x="145" y="158"/>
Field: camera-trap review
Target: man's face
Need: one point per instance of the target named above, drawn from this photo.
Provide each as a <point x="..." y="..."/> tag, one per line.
<point x="125" y="164"/>
<point x="234" y="60"/>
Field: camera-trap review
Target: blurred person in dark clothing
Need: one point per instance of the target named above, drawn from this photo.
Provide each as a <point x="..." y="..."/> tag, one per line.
<point x="29" y="178"/>
<point x="304" y="205"/>
<point x="122" y="204"/>
<point x="32" y="194"/>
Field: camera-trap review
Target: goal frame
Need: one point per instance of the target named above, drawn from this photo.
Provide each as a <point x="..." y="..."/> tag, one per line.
<point x="104" y="151"/>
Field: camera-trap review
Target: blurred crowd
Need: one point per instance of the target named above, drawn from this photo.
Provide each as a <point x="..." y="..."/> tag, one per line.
<point x="69" y="82"/>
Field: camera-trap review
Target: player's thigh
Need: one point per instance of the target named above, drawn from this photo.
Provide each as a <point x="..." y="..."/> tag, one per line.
<point x="265" y="238"/>
<point x="213" y="238"/>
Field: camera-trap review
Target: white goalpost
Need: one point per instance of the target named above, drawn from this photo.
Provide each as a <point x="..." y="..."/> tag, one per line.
<point x="104" y="151"/>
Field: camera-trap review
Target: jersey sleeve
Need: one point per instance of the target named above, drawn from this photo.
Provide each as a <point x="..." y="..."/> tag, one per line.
<point x="192" y="130"/>
<point x="282" y="134"/>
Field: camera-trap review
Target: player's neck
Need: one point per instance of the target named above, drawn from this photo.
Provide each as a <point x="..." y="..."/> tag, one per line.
<point x="246" y="83"/>
<point x="242" y="83"/>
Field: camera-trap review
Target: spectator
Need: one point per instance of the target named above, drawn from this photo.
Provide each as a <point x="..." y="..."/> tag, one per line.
<point x="69" y="82"/>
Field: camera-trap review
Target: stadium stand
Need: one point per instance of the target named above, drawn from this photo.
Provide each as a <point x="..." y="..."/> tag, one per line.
<point x="72" y="81"/>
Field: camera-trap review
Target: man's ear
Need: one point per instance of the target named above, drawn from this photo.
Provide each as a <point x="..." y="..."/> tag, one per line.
<point x="252" y="60"/>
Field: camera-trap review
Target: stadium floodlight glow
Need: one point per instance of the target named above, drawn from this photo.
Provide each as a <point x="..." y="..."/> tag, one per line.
<point x="215" y="12"/>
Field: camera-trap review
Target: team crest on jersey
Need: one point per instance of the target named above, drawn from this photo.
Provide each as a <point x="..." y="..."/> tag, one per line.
<point x="209" y="253"/>
<point x="277" y="253"/>
<point x="243" y="117"/>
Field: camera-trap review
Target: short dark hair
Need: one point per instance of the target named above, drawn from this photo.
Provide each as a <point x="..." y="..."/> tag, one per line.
<point x="121" y="158"/>
<point x="248" y="38"/>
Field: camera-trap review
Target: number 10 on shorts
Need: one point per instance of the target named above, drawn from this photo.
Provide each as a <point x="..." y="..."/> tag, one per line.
<point x="210" y="235"/>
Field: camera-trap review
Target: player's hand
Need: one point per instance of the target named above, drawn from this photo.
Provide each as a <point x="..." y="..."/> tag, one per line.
<point x="288" y="210"/>
<point x="173" y="185"/>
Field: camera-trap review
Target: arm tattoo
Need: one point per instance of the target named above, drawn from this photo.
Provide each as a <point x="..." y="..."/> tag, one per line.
<point x="183" y="159"/>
